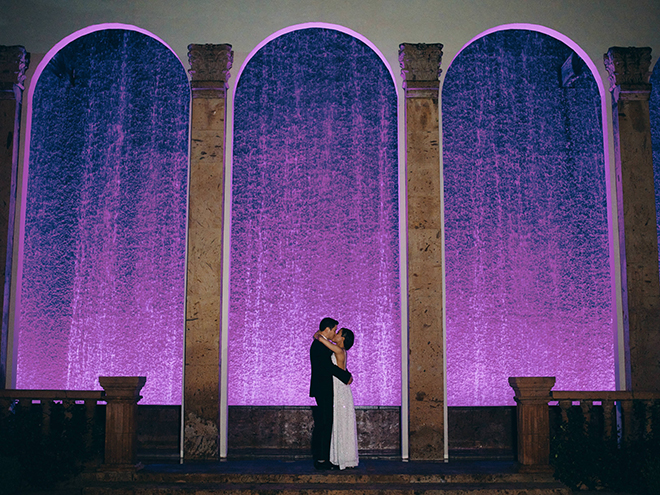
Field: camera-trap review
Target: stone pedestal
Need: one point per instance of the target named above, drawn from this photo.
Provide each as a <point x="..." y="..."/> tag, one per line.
<point x="629" y="75"/>
<point x="13" y="63"/>
<point x="209" y="69"/>
<point x="532" y="397"/>
<point x="122" y="394"/>
<point x="420" y="66"/>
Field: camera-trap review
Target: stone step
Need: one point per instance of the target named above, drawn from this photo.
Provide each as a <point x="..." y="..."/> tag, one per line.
<point x="128" y="488"/>
<point x="292" y="478"/>
<point x="331" y="478"/>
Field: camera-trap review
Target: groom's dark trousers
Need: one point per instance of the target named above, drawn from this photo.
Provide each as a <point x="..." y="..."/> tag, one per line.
<point x="321" y="389"/>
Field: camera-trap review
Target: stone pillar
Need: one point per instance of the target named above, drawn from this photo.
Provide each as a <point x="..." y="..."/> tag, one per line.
<point x="209" y="69"/>
<point x="13" y="63"/>
<point x="420" y="69"/>
<point x="629" y="76"/>
<point x="532" y="397"/>
<point x="122" y="394"/>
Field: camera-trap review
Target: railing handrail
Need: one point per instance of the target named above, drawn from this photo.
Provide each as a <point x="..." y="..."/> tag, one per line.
<point x="607" y="395"/>
<point x="121" y="394"/>
<point x="53" y="394"/>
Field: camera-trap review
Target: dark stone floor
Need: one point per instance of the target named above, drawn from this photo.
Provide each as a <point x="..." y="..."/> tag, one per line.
<point x="305" y="466"/>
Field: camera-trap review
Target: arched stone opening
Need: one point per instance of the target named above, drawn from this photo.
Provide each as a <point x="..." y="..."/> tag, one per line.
<point x="528" y="229"/>
<point x="101" y="266"/>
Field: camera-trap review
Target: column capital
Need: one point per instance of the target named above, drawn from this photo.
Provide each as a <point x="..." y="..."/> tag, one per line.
<point x="14" y="61"/>
<point x="209" y="69"/>
<point x="532" y="389"/>
<point x="628" y="70"/>
<point x="123" y="388"/>
<point x="420" y="69"/>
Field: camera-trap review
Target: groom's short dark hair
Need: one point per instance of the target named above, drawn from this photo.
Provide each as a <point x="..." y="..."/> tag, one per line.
<point x="327" y="323"/>
<point x="349" y="338"/>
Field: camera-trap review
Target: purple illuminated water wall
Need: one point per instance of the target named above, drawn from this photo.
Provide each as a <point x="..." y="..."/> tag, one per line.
<point x="527" y="265"/>
<point x="654" y="110"/>
<point x="314" y="218"/>
<point x="104" y="247"/>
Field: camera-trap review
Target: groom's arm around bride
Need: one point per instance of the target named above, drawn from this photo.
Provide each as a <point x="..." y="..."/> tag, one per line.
<point x="321" y="389"/>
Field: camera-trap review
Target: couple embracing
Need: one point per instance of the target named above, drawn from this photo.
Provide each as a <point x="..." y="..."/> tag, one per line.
<point x="334" y="438"/>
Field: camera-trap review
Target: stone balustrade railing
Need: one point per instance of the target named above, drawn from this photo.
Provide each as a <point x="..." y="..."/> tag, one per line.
<point x="617" y="410"/>
<point x="121" y="395"/>
<point x="534" y="394"/>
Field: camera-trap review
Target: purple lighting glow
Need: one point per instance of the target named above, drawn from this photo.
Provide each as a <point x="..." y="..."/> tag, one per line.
<point x="104" y="246"/>
<point x="654" y="110"/>
<point x="314" y="218"/>
<point x="527" y="265"/>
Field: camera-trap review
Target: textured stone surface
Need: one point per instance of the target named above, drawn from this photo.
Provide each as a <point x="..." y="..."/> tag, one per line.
<point x="271" y="431"/>
<point x="629" y="83"/>
<point x="371" y="476"/>
<point x="287" y="430"/>
<point x="532" y="397"/>
<point x="420" y="66"/>
<point x="482" y="432"/>
<point x="122" y="395"/>
<point x="158" y="432"/>
<point x="13" y="63"/>
<point x="210" y="66"/>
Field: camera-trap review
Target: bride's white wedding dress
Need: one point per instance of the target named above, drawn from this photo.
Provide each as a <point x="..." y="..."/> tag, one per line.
<point x="343" y="446"/>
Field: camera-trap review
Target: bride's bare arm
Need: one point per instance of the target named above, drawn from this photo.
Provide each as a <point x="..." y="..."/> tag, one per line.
<point x="333" y="347"/>
<point x="339" y="352"/>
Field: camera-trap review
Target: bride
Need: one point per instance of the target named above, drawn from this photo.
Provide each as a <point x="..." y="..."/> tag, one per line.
<point x="343" y="445"/>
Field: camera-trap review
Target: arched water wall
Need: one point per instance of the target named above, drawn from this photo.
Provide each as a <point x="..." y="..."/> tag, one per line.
<point x="103" y="249"/>
<point x="654" y="111"/>
<point x="528" y="277"/>
<point x="315" y="217"/>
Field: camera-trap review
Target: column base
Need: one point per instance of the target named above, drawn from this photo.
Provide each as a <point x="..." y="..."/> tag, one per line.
<point x="535" y="468"/>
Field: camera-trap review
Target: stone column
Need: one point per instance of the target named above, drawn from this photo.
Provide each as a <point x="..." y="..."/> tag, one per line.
<point x="13" y="63"/>
<point x="629" y="76"/>
<point x="122" y="394"/>
<point x="532" y="397"/>
<point x="420" y="69"/>
<point x="209" y="69"/>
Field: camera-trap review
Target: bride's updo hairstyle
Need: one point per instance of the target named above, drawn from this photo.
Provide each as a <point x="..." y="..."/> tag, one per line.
<point x="349" y="338"/>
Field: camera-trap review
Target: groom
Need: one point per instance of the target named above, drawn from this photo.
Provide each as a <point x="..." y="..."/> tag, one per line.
<point x="321" y="389"/>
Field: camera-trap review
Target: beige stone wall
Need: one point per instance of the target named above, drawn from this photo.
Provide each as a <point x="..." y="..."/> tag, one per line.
<point x="640" y="293"/>
<point x="594" y="26"/>
<point x="210" y="66"/>
<point x="13" y="62"/>
<point x="420" y="67"/>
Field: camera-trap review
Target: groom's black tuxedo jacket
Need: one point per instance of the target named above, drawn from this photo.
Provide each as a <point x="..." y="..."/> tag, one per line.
<point x="323" y="370"/>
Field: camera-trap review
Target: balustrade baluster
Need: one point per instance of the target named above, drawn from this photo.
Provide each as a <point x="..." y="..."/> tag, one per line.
<point x="586" y="406"/>
<point x="5" y="404"/>
<point x="68" y="405"/>
<point x="45" y="416"/>
<point x="24" y="406"/>
<point x="608" y="417"/>
<point x="90" y="408"/>
<point x="648" y="409"/>
<point x="626" y="419"/>
<point x="565" y="405"/>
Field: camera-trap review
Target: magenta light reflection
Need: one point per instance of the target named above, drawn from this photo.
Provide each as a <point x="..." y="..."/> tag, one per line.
<point x="102" y="261"/>
<point x="529" y="286"/>
<point x="314" y="217"/>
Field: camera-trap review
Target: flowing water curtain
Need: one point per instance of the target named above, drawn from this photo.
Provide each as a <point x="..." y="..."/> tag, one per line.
<point x="654" y="110"/>
<point x="527" y="264"/>
<point x="104" y="248"/>
<point x="314" y="218"/>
